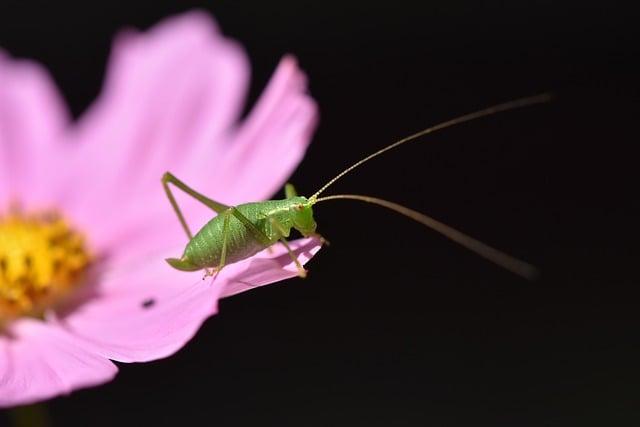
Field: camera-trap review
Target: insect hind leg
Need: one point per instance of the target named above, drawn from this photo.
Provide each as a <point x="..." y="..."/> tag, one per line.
<point x="225" y="238"/>
<point x="169" y="178"/>
<point x="265" y="240"/>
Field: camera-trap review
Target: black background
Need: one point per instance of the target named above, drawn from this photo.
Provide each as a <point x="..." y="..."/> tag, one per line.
<point x="395" y="325"/>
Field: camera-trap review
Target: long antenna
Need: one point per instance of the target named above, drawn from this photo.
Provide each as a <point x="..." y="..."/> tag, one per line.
<point x="511" y="105"/>
<point x="505" y="261"/>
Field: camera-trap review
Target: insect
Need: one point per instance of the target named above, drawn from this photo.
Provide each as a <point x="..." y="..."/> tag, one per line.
<point x="238" y="232"/>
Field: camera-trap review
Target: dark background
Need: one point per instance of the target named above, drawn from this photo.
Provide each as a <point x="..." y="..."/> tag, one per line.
<point x="395" y="325"/>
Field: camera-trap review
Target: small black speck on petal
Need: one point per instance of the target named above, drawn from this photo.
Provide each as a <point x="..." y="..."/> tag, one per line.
<point x="148" y="303"/>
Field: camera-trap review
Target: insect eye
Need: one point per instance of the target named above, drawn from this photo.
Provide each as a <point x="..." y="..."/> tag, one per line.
<point x="298" y="208"/>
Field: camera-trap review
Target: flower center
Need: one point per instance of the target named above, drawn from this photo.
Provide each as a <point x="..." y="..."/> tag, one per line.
<point x="41" y="259"/>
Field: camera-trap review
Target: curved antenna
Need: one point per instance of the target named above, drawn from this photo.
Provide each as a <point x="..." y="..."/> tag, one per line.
<point x="511" y="105"/>
<point x="505" y="261"/>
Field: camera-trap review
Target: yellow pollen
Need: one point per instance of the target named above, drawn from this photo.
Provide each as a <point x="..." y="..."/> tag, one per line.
<point x="41" y="259"/>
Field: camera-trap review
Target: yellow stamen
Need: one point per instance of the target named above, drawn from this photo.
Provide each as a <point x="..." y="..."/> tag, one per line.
<point x="41" y="259"/>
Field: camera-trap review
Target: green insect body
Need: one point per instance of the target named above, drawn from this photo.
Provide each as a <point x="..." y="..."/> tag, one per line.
<point x="238" y="232"/>
<point x="273" y="218"/>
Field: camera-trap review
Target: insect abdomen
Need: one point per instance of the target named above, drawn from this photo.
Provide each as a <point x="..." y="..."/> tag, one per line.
<point x="205" y="249"/>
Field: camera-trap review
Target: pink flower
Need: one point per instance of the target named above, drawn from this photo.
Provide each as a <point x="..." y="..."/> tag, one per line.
<point x="89" y="283"/>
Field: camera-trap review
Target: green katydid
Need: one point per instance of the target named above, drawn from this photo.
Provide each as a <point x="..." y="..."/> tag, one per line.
<point x="238" y="232"/>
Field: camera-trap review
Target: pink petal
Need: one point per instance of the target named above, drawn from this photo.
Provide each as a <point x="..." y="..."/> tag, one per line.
<point x="32" y="119"/>
<point x="120" y="325"/>
<point x="169" y="92"/>
<point x="39" y="361"/>
<point x="122" y="329"/>
<point x="269" y="266"/>
<point x="272" y="140"/>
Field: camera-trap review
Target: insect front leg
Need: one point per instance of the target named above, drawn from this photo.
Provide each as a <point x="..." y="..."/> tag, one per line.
<point x="280" y="230"/>
<point x="169" y="178"/>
